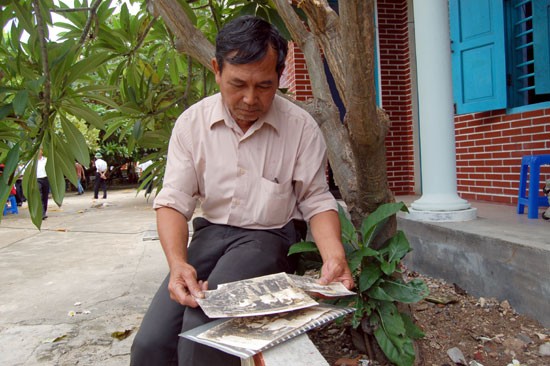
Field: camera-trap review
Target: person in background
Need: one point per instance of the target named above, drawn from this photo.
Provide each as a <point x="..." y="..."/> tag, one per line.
<point x="142" y="167"/>
<point x="100" y="176"/>
<point x="81" y="176"/>
<point x="256" y="162"/>
<point x="19" y="195"/>
<point x="43" y="183"/>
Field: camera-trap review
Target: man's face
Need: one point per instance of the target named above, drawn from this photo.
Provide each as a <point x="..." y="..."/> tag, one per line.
<point x="248" y="89"/>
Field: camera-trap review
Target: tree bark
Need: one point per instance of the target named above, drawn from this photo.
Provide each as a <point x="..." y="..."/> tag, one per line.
<point x="189" y="40"/>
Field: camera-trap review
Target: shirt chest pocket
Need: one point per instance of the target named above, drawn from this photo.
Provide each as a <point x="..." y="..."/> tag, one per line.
<point x="274" y="202"/>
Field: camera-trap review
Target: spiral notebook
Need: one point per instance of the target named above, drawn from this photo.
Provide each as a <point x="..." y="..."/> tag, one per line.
<point x="246" y="336"/>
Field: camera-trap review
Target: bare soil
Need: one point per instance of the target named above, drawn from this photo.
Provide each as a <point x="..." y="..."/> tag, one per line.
<point x="485" y="331"/>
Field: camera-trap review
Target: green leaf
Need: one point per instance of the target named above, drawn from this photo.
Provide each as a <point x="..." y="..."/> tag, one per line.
<point x="55" y="173"/>
<point x="76" y="142"/>
<point x="188" y="11"/>
<point x="6" y="110"/>
<point x="24" y="16"/>
<point x="5" y="190"/>
<point x="411" y="329"/>
<point x="87" y="65"/>
<point x="356" y="258"/>
<point x="124" y="17"/>
<point x="390" y="319"/>
<point x="369" y="275"/>
<point x="20" y="102"/>
<point x="173" y="69"/>
<point x="377" y="293"/>
<point x="375" y="221"/>
<point x="400" y="354"/>
<point x="409" y="292"/>
<point x="85" y="113"/>
<point x="398" y="246"/>
<point x="391" y="335"/>
<point x="10" y="163"/>
<point x="303" y="246"/>
<point x="30" y="187"/>
<point x="349" y="235"/>
<point x="388" y="267"/>
<point x="65" y="159"/>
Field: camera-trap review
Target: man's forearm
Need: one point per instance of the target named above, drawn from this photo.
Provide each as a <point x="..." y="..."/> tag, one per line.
<point x="173" y="235"/>
<point x="325" y="228"/>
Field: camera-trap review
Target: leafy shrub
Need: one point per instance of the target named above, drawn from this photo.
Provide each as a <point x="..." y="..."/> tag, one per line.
<point x="380" y="282"/>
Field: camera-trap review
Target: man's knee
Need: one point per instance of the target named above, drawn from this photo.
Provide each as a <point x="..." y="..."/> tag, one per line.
<point x="148" y="351"/>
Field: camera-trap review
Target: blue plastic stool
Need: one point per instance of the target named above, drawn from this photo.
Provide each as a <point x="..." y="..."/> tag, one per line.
<point x="532" y="164"/>
<point x="12" y="207"/>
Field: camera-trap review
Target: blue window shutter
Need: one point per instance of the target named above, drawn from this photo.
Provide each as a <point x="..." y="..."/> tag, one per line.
<point x="541" y="39"/>
<point x="478" y="55"/>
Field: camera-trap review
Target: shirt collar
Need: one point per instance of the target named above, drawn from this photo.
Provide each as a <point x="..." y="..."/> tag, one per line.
<point x="220" y="114"/>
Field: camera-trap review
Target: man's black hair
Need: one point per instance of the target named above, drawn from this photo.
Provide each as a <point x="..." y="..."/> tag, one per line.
<point x="246" y="40"/>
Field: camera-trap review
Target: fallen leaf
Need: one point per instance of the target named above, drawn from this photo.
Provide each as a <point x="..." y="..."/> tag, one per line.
<point x="442" y="300"/>
<point x="56" y="339"/>
<point x="120" y="335"/>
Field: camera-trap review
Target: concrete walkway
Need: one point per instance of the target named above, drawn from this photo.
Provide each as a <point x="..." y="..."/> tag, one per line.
<point x="87" y="274"/>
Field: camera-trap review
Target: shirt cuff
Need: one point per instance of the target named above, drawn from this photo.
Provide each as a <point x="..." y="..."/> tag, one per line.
<point x="179" y="201"/>
<point x="317" y="204"/>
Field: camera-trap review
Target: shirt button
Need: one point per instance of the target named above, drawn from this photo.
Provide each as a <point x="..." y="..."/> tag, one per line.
<point x="241" y="172"/>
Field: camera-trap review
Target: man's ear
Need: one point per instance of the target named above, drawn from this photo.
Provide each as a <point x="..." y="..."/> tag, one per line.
<point x="216" y="68"/>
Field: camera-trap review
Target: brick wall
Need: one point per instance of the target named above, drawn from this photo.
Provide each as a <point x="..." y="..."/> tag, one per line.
<point x="489" y="147"/>
<point x="296" y="77"/>
<point x="395" y="80"/>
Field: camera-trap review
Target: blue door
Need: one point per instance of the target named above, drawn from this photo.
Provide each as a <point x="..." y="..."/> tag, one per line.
<point x="478" y="55"/>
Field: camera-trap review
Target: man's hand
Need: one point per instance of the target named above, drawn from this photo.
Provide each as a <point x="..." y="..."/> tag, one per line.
<point x="183" y="285"/>
<point x="336" y="270"/>
<point x="325" y="227"/>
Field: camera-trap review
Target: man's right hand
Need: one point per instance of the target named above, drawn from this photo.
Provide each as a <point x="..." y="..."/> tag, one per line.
<point x="183" y="285"/>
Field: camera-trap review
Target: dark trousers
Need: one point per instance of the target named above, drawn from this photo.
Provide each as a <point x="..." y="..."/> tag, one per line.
<point x="44" y="189"/>
<point x="220" y="254"/>
<point x="19" y="196"/>
<point x="100" y="182"/>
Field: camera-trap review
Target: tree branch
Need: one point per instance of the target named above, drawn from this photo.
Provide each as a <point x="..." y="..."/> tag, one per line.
<point x="69" y="10"/>
<point x="142" y="36"/>
<point x="88" y="24"/>
<point x="306" y="42"/>
<point x="45" y="62"/>
<point x="325" y="24"/>
<point x="189" y="39"/>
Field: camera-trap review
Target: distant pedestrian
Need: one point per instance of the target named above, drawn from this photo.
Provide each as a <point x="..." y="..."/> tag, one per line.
<point x="43" y="183"/>
<point x="19" y="195"/>
<point x="100" y="176"/>
<point x="81" y="177"/>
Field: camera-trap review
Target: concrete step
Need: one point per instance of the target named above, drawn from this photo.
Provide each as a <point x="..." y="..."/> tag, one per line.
<point x="299" y="351"/>
<point x="500" y="254"/>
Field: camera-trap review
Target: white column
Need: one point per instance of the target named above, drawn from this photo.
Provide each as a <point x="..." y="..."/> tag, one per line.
<point x="439" y="201"/>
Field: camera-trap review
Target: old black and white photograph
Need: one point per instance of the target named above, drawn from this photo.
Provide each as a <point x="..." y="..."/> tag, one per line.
<point x="256" y="296"/>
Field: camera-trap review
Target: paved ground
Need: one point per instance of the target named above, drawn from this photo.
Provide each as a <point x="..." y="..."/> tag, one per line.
<point x="89" y="259"/>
